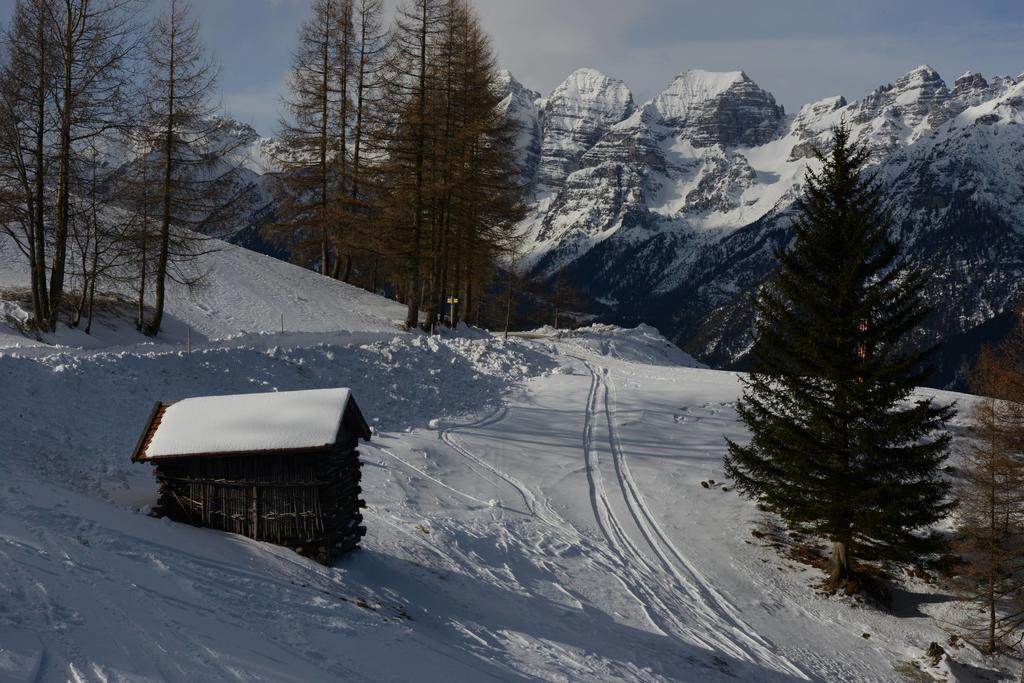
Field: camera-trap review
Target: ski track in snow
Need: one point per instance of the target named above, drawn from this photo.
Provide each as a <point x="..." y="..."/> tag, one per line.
<point x="690" y="594"/>
<point x="529" y="499"/>
<point x="698" y="588"/>
<point x="619" y="555"/>
<point x="683" y="592"/>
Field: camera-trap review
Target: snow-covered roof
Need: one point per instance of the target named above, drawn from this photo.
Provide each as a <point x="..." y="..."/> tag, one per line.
<point x="246" y="423"/>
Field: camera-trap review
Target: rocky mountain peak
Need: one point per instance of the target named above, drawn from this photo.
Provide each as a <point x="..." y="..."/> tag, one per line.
<point x="717" y="108"/>
<point x="692" y="89"/>
<point x="922" y="76"/>
<point x="815" y="110"/>
<point x="972" y="80"/>
<point x="507" y="84"/>
<point x="575" y="117"/>
<point x="238" y="130"/>
<point x="519" y="104"/>
<point x="590" y="85"/>
<point x="917" y="95"/>
<point x="811" y="122"/>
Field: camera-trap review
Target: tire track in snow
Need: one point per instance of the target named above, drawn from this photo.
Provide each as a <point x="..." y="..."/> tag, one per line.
<point x="695" y="584"/>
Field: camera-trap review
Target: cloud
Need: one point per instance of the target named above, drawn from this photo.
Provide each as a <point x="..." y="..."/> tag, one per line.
<point x="801" y="50"/>
<point x="259" y="107"/>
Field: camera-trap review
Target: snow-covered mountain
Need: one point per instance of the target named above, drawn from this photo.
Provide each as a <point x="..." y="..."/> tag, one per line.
<point x="670" y="212"/>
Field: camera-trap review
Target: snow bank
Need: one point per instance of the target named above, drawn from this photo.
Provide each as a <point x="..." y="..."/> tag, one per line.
<point x="641" y="344"/>
<point x="84" y="411"/>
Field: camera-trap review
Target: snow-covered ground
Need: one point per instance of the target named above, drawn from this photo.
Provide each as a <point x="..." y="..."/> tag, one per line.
<point x="535" y="511"/>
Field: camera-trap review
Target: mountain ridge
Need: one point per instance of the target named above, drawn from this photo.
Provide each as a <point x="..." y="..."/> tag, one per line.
<point x="672" y="216"/>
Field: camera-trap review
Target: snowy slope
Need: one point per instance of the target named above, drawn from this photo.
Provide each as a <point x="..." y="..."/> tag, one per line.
<point x="535" y="512"/>
<point x="242" y="293"/>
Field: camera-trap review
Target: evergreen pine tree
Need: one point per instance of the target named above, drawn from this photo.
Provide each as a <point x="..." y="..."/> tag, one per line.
<point x="837" y="450"/>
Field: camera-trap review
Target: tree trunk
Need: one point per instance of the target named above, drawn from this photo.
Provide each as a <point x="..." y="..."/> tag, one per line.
<point x="62" y="216"/>
<point x="346" y="275"/>
<point x="94" y="266"/>
<point x="357" y="133"/>
<point x="153" y="327"/>
<point x="344" y="47"/>
<point x="40" y="297"/>
<point x="508" y="303"/>
<point x="412" y="316"/>
<point x="159" y="294"/>
<point x="92" y="301"/>
<point x="322" y="154"/>
<point x="840" y="563"/>
<point x="78" y="307"/>
<point x="990" y="597"/>
<point x="90" y="266"/>
<point x="990" y="576"/>
<point x="143" y="257"/>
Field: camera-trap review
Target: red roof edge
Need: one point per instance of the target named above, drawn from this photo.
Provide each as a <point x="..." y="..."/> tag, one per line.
<point x="138" y="454"/>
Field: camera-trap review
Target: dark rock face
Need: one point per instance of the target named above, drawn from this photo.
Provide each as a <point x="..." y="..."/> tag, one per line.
<point x="745" y="115"/>
<point x="721" y="185"/>
<point x="970" y="82"/>
<point x="594" y="202"/>
<point x="628" y="145"/>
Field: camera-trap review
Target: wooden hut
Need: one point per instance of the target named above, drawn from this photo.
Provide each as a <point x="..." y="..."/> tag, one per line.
<point x="279" y="467"/>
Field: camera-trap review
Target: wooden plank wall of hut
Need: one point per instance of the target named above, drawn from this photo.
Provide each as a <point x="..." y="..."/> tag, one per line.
<point x="309" y="502"/>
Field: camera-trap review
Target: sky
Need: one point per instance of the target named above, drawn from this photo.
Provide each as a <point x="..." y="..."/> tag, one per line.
<point x="799" y="50"/>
